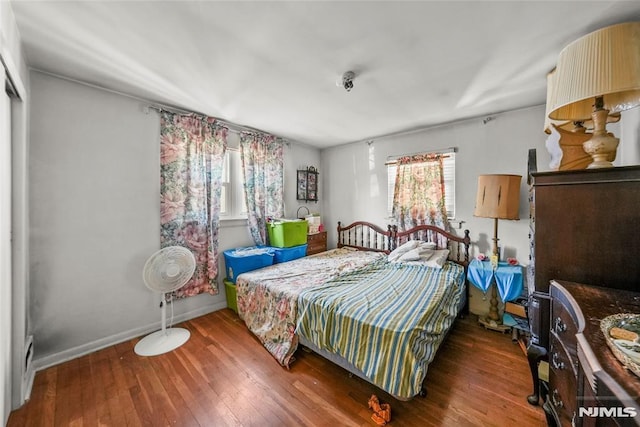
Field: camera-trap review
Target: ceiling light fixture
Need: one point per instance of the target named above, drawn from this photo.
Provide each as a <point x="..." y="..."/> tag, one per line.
<point x="346" y="81"/>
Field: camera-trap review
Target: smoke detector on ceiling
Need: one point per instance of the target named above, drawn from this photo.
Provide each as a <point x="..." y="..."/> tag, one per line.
<point x="346" y="81"/>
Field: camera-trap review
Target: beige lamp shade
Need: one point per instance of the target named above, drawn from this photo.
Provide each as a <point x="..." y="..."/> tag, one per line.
<point x="563" y="124"/>
<point x="605" y="63"/>
<point x="498" y="196"/>
<point x="579" y="126"/>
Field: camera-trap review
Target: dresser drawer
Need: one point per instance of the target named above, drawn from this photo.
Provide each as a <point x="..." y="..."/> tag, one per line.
<point x="317" y="237"/>
<point x="564" y="326"/>
<point x="562" y="381"/>
<point x="316" y="243"/>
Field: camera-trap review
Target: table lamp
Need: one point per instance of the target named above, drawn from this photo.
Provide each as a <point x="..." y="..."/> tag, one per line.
<point x="598" y="75"/>
<point x="569" y="136"/>
<point x="498" y="198"/>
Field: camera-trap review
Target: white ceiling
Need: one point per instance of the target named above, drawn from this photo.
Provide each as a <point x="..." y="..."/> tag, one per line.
<point x="274" y="65"/>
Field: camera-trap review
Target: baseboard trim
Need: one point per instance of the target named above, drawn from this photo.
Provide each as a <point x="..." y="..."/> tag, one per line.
<point x="82" y="350"/>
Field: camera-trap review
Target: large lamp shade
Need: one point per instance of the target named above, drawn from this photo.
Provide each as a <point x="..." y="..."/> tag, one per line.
<point x="603" y="63"/>
<point x="498" y="196"/>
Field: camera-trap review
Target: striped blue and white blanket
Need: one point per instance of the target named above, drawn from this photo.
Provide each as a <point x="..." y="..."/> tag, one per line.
<point x="387" y="320"/>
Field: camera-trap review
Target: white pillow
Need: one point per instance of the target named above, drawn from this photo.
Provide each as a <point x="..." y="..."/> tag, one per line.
<point x="417" y="254"/>
<point x="438" y="258"/>
<point x="428" y="245"/>
<point x="412" y="255"/>
<point x="430" y="258"/>
<point x="402" y="249"/>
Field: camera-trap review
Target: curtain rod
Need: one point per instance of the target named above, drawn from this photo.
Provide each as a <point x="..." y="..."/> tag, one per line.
<point x="438" y="151"/>
<point x="234" y="127"/>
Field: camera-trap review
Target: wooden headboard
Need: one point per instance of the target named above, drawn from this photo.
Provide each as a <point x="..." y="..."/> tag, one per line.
<point x="458" y="246"/>
<point x="363" y="235"/>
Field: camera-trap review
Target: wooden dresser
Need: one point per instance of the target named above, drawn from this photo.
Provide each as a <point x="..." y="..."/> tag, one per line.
<point x="316" y="243"/>
<point x="584" y="227"/>
<point x="583" y="371"/>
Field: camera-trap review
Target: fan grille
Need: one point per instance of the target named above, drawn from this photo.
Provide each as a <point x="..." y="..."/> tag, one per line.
<point x="169" y="269"/>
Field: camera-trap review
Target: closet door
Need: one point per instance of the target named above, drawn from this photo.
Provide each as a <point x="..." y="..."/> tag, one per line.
<point x="5" y="254"/>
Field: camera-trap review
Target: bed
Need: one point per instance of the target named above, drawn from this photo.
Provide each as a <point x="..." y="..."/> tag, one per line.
<point x="380" y="317"/>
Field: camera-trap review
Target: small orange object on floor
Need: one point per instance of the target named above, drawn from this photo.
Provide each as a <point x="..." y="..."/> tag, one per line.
<point x="381" y="411"/>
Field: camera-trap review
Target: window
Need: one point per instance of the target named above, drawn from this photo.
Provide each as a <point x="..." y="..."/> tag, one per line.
<point x="233" y="204"/>
<point x="449" y="166"/>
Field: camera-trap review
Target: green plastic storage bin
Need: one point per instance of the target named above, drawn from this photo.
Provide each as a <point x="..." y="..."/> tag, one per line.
<point x="232" y="297"/>
<point x="287" y="233"/>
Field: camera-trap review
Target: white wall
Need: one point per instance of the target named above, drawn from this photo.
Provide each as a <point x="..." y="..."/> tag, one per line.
<point x="355" y="175"/>
<point x="94" y="175"/>
<point x="94" y="197"/>
<point x="628" y="130"/>
<point x="299" y="156"/>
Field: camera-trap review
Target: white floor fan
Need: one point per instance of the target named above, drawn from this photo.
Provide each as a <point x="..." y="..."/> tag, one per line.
<point x="165" y="271"/>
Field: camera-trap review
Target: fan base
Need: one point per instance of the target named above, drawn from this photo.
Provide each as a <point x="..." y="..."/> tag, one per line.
<point x="161" y="342"/>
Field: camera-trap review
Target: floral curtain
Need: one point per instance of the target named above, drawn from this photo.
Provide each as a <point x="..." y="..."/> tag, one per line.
<point x="192" y="150"/>
<point x="419" y="192"/>
<point x="263" y="168"/>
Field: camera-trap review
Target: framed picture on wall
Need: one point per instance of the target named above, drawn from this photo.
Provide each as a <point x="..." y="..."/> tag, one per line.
<point x="302" y="185"/>
<point x="307" y="184"/>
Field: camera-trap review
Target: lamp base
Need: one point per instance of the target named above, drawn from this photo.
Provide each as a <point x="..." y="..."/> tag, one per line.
<point x="572" y="147"/>
<point x="603" y="145"/>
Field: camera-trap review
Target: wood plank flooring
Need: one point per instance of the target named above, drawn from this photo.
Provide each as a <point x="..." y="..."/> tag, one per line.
<point x="224" y="377"/>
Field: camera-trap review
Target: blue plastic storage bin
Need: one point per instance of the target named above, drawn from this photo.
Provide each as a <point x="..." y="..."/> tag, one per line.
<point x="289" y="254"/>
<point x="241" y="260"/>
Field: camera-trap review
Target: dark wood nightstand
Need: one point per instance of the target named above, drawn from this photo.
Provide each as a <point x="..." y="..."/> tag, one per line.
<point x="316" y="243"/>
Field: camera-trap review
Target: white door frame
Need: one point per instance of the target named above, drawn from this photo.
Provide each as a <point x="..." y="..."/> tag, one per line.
<point x="6" y="283"/>
<point x="21" y="372"/>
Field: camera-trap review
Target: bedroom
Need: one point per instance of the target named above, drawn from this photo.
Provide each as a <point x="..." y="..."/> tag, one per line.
<point x="92" y="202"/>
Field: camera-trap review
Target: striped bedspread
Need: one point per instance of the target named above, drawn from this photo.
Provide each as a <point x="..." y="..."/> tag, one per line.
<point x="387" y="320"/>
<point x="268" y="297"/>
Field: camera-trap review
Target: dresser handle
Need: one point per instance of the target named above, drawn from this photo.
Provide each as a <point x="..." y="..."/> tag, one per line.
<point x="559" y="326"/>
<point x="554" y="399"/>
<point x="556" y="364"/>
